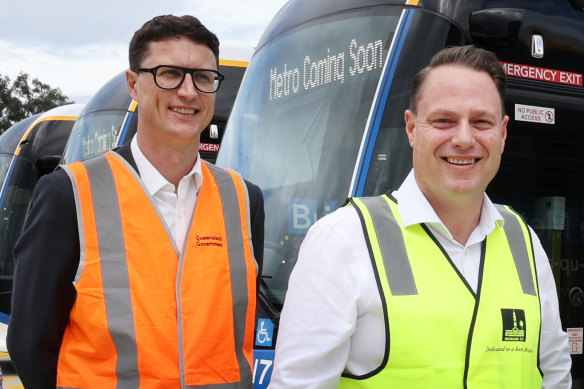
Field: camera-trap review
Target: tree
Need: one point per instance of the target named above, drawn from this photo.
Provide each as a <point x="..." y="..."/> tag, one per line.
<point x="25" y="98"/>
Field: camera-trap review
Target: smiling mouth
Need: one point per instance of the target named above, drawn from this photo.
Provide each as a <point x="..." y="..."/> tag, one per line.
<point x="466" y="161"/>
<point x="185" y="111"/>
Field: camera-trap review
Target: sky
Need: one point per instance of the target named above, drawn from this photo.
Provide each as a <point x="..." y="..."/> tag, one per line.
<point x="78" y="45"/>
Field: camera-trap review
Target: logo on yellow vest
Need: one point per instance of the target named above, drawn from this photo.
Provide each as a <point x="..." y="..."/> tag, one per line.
<point x="210" y="240"/>
<point x="514" y="326"/>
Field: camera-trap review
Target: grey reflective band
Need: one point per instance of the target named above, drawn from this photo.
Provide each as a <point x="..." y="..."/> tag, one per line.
<point x="519" y="249"/>
<point x="114" y="269"/>
<point x="392" y="246"/>
<point x="237" y="266"/>
<point x="80" y="225"/>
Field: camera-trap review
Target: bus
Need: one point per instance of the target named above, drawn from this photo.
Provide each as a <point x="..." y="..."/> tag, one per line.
<point x="111" y="115"/>
<point x="28" y="150"/>
<point x="319" y="118"/>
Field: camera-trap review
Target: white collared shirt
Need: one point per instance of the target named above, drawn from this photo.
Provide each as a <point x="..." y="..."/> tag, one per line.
<point x="332" y="320"/>
<point x="415" y="209"/>
<point x="176" y="205"/>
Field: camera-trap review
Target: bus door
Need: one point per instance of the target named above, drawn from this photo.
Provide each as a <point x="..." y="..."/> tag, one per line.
<point x="542" y="177"/>
<point x="542" y="169"/>
<point x="28" y="150"/>
<point x="11" y="170"/>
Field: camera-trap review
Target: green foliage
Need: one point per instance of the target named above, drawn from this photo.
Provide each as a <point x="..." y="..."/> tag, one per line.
<point x="24" y="98"/>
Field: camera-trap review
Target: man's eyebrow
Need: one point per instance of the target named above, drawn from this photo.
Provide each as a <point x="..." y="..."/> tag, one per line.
<point x="442" y="111"/>
<point x="454" y="112"/>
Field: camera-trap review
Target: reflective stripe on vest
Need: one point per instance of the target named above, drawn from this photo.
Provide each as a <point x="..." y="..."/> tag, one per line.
<point x="515" y="233"/>
<point x="103" y="229"/>
<point x="421" y="290"/>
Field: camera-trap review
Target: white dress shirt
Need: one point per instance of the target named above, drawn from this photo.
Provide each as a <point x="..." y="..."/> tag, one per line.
<point x="175" y="205"/>
<point x="332" y="320"/>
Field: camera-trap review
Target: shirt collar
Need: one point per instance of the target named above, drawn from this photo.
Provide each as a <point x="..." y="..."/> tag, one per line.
<point x="152" y="179"/>
<point x="414" y="208"/>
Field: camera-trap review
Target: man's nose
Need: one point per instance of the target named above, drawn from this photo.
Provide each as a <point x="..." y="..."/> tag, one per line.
<point x="464" y="135"/>
<point x="187" y="88"/>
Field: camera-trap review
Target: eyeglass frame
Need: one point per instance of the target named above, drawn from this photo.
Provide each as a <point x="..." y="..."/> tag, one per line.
<point x="154" y="70"/>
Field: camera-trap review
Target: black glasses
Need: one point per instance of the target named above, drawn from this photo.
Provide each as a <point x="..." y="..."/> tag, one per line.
<point x="172" y="77"/>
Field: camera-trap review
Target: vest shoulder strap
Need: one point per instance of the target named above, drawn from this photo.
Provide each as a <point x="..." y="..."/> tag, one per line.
<point x="385" y="242"/>
<point x="521" y="246"/>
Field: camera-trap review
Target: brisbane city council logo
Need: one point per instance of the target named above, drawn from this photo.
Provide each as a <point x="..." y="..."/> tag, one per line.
<point x="514" y="326"/>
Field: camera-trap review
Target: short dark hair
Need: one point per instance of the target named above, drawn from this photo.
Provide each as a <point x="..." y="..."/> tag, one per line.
<point x="469" y="56"/>
<point x="166" y="27"/>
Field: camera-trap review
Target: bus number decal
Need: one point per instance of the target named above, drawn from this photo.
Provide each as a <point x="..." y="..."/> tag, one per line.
<point x="262" y="368"/>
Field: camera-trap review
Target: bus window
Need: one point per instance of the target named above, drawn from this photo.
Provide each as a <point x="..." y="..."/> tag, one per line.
<point x="94" y="134"/>
<point x="109" y="118"/>
<point x="5" y="161"/>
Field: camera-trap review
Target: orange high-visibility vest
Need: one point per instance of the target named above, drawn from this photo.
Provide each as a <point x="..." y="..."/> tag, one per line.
<point x="145" y="317"/>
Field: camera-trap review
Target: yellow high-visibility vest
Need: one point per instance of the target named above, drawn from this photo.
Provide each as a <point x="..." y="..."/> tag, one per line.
<point x="439" y="332"/>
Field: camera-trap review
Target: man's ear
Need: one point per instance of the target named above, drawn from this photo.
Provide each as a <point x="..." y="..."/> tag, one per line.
<point x="504" y="132"/>
<point x="131" y="79"/>
<point x="410" y="120"/>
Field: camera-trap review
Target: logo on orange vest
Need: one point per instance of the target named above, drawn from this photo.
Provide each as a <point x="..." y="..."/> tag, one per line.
<point x="514" y="326"/>
<point x="210" y="240"/>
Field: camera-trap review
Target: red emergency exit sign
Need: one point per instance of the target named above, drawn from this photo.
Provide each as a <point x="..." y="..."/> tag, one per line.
<point x="209" y="147"/>
<point x="542" y="74"/>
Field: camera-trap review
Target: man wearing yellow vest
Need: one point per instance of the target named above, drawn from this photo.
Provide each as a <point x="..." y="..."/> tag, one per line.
<point x="432" y="285"/>
<point x="138" y="268"/>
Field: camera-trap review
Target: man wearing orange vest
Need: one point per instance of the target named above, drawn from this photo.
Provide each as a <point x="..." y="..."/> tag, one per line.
<point x="138" y="268"/>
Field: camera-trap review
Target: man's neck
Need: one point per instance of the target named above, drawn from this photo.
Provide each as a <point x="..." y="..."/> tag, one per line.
<point x="460" y="218"/>
<point x="173" y="163"/>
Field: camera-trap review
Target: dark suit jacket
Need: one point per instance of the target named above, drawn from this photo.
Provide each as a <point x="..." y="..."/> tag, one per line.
<point x="47" y="257"/>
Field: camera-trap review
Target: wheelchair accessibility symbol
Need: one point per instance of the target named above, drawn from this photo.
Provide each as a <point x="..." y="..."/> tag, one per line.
<point x="265" y="332"/>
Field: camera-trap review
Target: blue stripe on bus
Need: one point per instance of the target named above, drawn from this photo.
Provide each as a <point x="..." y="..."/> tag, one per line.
<point x="122" y="137"/>
<point x="379" y="107"/>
